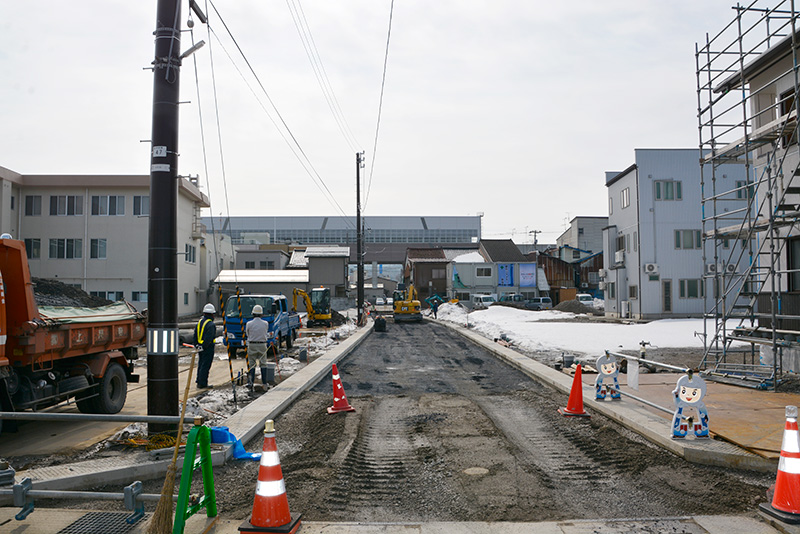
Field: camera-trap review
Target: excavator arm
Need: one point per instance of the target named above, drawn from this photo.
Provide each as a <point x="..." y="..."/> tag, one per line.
<point x="306" y="299"/>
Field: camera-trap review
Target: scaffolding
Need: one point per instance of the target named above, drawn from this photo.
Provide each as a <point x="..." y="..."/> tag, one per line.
<point x="747" y="97"/>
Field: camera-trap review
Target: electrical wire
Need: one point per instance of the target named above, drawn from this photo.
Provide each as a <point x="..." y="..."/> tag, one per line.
<point x="380" y="106"/>
<point x="294" y="145"/>
<point x="304" y="31"/>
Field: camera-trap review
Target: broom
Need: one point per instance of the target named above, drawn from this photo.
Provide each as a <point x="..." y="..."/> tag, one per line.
<point x="161" y="520"/>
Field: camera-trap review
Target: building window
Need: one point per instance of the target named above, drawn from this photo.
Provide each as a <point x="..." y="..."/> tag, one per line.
<point x="691" y="289"/>
<point x="668" y="190"/>
<point x="190" y="253"/>
<point x="66" y="205"/>
<point x="33" y="248"/>
<point x="66" y="248"/>
<point x="625" y="198"/>
<point x="687" y="239"/>
<point x="635" y="241"/>
<point x="186" y="299"/>
<point x="141" y="205"/>
<point x="438" y="273"/>
<point x="33" y="205"/>
<point x="139" y="296"/>
<point x="612" y="290"/>
<point x="97" y="249"/>
<point x="621" y="242"/>
<point x="744" y="189"/>
<point x="99" y="294"/>
<point x="108" y="205"/>
<point x="483" y="272"/>
<point x="249" y="265"/>
<point x="115" y="295"/>
<point x="610" y="206"/>
<point x="576" y="254"/>
<point x="12" y="202"/>
<point x="633" y="292"/>
<point x="262" y="265"/>
<point x="580" y="231"/>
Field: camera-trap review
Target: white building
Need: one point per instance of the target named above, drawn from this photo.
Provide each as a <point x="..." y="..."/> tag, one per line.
<point x="653" y="248"/>
<point x="583" y="238"/>
<point x="91" y="231"/>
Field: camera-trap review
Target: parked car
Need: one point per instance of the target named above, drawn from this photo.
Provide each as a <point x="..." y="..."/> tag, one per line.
<point x="380" y="301"/>
<point x="482" y="301"/>
<point x="512" y="297"/>
<point x="389" y="301"/>
<point x="586" y="299"/>
<point x="539" y="303"/>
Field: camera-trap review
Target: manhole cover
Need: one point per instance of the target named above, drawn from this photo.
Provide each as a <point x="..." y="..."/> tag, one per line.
<point x="476" y="471"/>
<point x="94" y="522"/>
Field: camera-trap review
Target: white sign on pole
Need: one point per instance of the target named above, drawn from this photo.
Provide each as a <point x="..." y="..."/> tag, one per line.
<point x="633" y="375"/>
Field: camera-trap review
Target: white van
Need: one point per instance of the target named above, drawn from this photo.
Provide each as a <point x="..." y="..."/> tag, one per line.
<point x="482" y="301"/>
<point x="585" y="299"/>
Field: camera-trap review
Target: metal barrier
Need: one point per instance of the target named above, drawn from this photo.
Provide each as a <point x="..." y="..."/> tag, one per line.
<point x="117" y="418"/>
<point x="132" y="497"/>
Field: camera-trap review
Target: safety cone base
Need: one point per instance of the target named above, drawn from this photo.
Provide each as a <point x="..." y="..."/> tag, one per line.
<point x="786" y="517"/>
<point x="289" y="528"/>
<point x="564" y="411"/>
<point x="334" y="409"/>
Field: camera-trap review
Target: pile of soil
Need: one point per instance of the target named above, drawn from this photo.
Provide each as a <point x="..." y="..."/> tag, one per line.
<point x="337" y="318"/>
<point x="54" y="293"/>
<point x="573" y="306"/>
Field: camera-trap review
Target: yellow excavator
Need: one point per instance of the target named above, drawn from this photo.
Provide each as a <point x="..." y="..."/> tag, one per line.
<point x="318" y="305"/>
<point x="407" y="307"/>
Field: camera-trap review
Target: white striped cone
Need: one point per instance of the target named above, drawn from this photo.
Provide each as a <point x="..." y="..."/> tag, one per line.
<point x="787" y="483"/>
<point x="270" y="506"/>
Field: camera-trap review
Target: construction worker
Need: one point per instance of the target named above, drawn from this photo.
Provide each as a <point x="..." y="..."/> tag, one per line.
<point x="257" y="332"/>
<point x="204" y="335"/>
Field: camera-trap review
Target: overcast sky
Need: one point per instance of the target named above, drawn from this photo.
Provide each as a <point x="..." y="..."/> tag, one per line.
<point x="512" y="109"/>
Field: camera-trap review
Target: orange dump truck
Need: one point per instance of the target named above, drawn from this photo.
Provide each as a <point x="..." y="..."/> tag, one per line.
<point x="51" y="354"/>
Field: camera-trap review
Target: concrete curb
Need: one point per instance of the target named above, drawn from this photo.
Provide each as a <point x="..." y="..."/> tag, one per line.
<point x="630" y="415"/>
<point x="244" y="424"/>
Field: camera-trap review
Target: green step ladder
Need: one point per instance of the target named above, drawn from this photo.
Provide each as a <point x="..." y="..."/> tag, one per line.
<point x="199" y="436"/>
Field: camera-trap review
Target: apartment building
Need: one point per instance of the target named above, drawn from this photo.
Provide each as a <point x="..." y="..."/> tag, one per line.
<point x="653" y="251"/>
<point x="91" y="231"/>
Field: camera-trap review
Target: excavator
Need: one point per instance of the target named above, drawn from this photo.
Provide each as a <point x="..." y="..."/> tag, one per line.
<point x="407" y="307"/>
<point x="318" y="305"/>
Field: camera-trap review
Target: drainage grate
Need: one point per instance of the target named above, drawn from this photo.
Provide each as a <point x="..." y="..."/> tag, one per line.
<point x="100" y="522"/>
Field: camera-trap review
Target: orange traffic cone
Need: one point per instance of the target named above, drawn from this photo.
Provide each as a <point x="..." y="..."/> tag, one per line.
<point x="270" y="507"/>
<point x="786" y="500"/>
<point x="340" y="403"/>
<point x="575" y="402"/>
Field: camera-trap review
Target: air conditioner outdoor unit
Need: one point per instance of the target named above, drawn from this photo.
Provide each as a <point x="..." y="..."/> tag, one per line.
<point x="712" y="268"/>
<point x="602" y="273"/>
<point x="651" y="268"/>
<point x="584" y="284"/>
<point x="619" y="256"/>
<point x="601" y="286"/>
<point x="730" y="268"/>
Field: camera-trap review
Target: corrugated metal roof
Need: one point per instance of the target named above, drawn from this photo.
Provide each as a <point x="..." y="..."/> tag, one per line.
<point x="328" y="252"/>
<point x="298" y="259"/>
<point x="244" y="276"/>
<point x="425" y="254"/>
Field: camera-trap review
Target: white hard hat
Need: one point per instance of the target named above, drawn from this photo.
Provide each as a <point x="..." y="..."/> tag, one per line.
<point x="209" y="308"/>
<point x="257" y="309"/>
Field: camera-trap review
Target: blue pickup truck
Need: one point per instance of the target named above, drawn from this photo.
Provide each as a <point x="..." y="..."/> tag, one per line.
<point x="283" y="324"/>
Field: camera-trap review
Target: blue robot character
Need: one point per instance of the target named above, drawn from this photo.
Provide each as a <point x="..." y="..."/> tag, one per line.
<point x="607" y="368"/>
<point x="689" y="393"/>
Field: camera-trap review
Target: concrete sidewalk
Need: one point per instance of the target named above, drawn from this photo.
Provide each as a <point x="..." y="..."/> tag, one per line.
<point x="48" y="521"/>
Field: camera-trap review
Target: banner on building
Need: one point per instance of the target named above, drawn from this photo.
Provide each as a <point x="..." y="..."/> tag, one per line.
<point x="527" y="275"/>
<point x="505" y="274"/>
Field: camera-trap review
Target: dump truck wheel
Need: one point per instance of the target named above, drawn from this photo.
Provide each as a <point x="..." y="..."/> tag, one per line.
<point x="113" y="390"/>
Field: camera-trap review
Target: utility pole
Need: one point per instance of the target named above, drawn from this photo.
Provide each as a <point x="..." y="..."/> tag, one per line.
<point x="162" y="259"/>
<point x="359" y="239"/>
<point x="535" y="236"/>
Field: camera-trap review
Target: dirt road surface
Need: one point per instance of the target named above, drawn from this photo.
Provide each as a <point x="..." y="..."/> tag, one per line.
<point x="443" y="431"/>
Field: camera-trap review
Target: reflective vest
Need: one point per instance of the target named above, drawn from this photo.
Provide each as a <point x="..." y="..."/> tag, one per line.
<point x="201" y="328"/>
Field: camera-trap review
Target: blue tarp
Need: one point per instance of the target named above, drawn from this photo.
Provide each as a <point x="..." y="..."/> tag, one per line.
<point x="221" y="434"/>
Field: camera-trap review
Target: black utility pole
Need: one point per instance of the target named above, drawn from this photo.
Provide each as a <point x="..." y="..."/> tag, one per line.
<point x="359" y="239"/>
<point x="162" y="259"/>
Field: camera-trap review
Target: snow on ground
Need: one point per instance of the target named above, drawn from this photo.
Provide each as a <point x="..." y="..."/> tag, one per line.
<point x="535" y="331"/>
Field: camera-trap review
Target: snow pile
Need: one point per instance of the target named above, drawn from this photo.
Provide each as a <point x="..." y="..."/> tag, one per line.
<point x="470" y="257"/>
<point x="536" y="331"/>
<point x="289" y="366"/>
<point x="455" y="313"/>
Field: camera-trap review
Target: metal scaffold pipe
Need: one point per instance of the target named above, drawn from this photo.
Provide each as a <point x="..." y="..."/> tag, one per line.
<point x="116" y="418"/>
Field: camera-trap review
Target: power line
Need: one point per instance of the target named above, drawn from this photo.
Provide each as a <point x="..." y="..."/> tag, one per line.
<point x="295" y="144"/>
<point x="380" y="105"/>
<point x="304" y="31"/>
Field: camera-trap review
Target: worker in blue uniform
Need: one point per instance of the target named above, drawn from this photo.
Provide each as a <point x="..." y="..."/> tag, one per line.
<point x="204" y="335"/>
